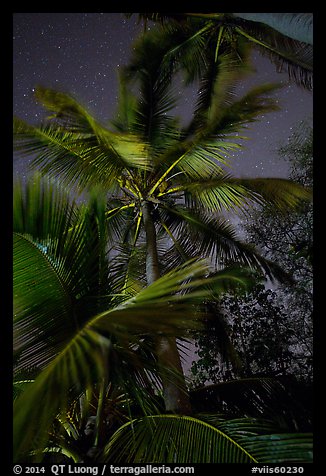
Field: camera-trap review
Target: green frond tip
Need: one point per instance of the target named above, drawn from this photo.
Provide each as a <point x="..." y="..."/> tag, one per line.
<point x="282" y="194"/>
<point x="173" y="439"/>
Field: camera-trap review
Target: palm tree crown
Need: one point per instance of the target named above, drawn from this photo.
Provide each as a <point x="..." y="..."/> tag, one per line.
<point x="151" y="163"/>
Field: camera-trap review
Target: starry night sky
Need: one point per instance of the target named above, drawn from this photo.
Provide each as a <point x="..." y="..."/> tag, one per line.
<point x="79" y="53"/>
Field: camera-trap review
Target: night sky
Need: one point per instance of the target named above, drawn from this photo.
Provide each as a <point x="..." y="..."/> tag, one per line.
<point x="79" y="53"/>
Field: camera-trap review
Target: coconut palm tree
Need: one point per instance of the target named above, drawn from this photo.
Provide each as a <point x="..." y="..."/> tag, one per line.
<point x="285" y="38"/>
<point x="166" y="184"/>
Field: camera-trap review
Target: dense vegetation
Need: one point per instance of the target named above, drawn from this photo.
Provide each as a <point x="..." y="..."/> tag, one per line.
<point x="271" y="327"/>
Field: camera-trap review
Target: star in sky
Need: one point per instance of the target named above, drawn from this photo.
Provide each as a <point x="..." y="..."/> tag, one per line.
<point x="80" y="53"/>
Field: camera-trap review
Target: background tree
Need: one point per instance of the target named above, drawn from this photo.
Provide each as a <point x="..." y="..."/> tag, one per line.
<point x="290" y="241"/>
<point x="270" y="330"/>
<point x="263" y="339"/>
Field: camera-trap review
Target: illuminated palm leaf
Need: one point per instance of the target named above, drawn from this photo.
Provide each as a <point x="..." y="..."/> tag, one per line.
<point x="173" y="439"/>
<point x="82" y="354"/>
<point x="215" y="438"/>
<point x="179" y="439"/>
<point x="84" y="152"/>
<point x="225" y="192"/>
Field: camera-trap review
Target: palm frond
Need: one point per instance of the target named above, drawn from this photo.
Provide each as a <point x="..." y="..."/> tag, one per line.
<point x="214" y="237"/>
<point x="245" y="110"/>
<point x="281" y="448"/>
<point x="187" y="51"/>
<point x="190" y="283"/>
<point x="83" y="357"/>
<point x="77" y="157"/>
<point x="286" y="54"/>
<point x="60" y="258"/>
<point x="281" y="401"/>
<point x="224" y="192"/>
<point x="173" y="439"/>
<point x="43" y="209"/>
<point x="37" y="407"/>
<point x="217" y="194"/>
<point x="128" y="269"/>
<point x="218" y="83"/>
<point x="39" y="295"/>
<point x="73" y="238"/>
<point x="66" y="110"/>
<point x="202" y="154"/>
<point x="153" y="120"/>
<point x="298" y="26"/>
<point x="72" y="116"/>
<point x="195" y="159"/>
<point x="125" y="116"/>
<point x="278" y="193"/>
<point x="266" y="440"/>
<point x="120" y="217"/>
<point x="19" y="386"/>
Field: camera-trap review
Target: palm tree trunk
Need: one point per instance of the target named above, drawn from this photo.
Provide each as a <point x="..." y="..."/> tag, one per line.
<point x="152" y="264"/>
<point x="176" y="397"/>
